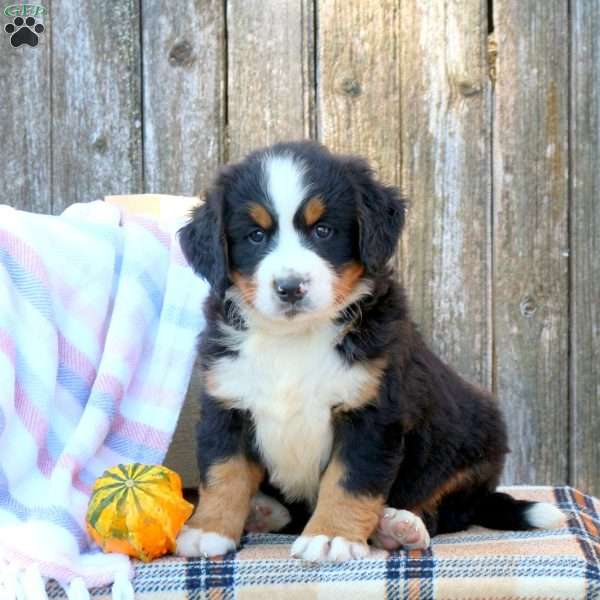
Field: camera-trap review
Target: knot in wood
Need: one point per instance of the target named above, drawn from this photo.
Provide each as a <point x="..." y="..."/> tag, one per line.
<point x="181" y="54"/>
<point x="528" y="306"/>
<point x="351" y="87"/>
<point x="467" y="88"/>
<point x="100" y="144"/>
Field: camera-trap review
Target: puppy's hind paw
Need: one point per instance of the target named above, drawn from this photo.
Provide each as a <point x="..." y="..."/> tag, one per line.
<point x="401" y="529"/>
<point x="266" y="514"/>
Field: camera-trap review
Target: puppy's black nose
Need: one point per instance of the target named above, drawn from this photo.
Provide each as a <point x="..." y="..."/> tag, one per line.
<point x="290" y="289"/>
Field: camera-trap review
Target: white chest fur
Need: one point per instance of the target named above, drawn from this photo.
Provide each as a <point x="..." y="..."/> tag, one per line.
<point x="290" y="383"/>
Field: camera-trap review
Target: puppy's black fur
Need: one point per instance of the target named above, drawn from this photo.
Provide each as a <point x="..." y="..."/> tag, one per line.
<point x="429" y="441"/>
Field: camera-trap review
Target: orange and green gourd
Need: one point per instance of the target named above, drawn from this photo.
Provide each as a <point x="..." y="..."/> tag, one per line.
<point x="138" y="510"/>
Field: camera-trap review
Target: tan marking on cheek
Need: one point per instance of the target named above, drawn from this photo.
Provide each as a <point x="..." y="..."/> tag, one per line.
<point x="314" y="210"/>
<point x="224" y="502"/>
<point x="347" y="280"/>
<point x="246" y="285"/>
<point x="340" y="513"/>
<point x="260" y="215"/>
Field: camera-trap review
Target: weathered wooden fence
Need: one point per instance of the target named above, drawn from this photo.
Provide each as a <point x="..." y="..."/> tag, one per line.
<point x="487" y="113"/>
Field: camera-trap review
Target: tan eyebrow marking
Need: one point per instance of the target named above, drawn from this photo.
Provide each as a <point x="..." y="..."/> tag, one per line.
<point x="314" y="210"/>
<point x="260" y="215"/>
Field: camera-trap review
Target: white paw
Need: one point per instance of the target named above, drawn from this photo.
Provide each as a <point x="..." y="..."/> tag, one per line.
<point x="266" y="514"/>
<point x="193" y="542"/>
<point x="401" y="529"/>
<point x="322" y="547"/>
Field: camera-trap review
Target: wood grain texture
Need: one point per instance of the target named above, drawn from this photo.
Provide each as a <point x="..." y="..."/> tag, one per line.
<point x="446" y="127"/>
<point x="270" y="72"/>
<point x="96" y="141"/>
<point x="26" y="120"/>
<point x="530" y="287"/>
<point x="184" y="94"/>
<point x="358" y="81"/>
<point x="585" y="245"/>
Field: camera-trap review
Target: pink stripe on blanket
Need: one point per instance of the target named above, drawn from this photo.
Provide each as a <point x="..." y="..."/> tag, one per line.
<point x="110" y="385"/>
<point x="30" y="416"/>
<point x="150" y="226"/>
<point x="78" y="362"/>
<point x="36" y="425"/>
<point x="70" y="464"/>
<point x="7" y="346"/>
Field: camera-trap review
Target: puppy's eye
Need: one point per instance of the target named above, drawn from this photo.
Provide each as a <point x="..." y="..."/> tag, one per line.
<point x="322" y="231"/>
<point x="257" y="236"/>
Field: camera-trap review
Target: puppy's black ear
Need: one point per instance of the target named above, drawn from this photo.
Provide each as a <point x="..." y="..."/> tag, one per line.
<point x="380" y="215"/>
<point x="204" y="242"/>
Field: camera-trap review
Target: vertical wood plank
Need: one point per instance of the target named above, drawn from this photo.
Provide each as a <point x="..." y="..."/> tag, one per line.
<point x="183" y="54"/>
<point x="446" y="127"/>
<point x="184" y="94"/>
<point x="96" y="142"/>
<point x="270" y="72"/>
<point x="585" y="244"/>
<point x="358" y="81"/>
<point x="26" y="119"/>
<point x="530" y="284"/>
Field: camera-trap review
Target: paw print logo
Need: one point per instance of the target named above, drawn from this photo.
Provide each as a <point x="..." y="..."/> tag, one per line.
<point x="24" y="31"/>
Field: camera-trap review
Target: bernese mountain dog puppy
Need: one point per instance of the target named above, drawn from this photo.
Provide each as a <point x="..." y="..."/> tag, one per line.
<point x="318" y="388"/>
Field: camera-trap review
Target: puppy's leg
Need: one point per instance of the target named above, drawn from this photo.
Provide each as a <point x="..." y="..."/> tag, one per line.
<point x="217" y="525"/>
<point x="230" y="477"/>
<point x="342" y="521"/>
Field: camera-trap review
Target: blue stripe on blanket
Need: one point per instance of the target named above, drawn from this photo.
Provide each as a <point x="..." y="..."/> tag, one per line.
<point x="31" y="288"/>
<point x="33" y="386"/>
<point x="50" y="514"/>
<point x="104" y="401"/>
<point x="73" y="383"/>
<point x="133" y="450"/>
<point x="152" y="291"/>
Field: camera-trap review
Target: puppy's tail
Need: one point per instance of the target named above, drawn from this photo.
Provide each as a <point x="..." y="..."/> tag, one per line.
<point x="501" y="511"/>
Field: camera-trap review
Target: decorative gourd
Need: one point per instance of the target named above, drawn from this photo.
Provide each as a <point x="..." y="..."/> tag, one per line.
<point x="138" y="510"/>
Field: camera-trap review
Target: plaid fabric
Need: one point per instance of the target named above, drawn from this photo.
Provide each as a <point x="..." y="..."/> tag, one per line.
<point x="473" y="565"/>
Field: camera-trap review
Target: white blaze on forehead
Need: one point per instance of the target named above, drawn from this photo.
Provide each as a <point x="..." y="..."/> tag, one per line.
<point x="286" y="188"/>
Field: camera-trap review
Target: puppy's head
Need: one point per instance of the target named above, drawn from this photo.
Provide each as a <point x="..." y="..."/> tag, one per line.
<point x="295" y="230"/>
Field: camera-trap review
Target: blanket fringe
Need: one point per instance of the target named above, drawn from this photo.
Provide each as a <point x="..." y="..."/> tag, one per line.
<point x="8" y="581"/>
<point x="77" y="590"/>
<point x="34" y="585"/>
<point x="122" y="588"/>
<point x="16" y="584"/>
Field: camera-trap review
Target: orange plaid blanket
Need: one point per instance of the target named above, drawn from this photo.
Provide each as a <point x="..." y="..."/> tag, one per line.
<point x="478" y="564"/>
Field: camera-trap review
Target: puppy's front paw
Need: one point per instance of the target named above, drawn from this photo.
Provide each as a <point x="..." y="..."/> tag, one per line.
<point x="322" y="547"/>
<point x="192" y="542"/>
<point x="401" y="529"/>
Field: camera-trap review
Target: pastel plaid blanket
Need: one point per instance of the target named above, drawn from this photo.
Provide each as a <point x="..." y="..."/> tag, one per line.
<point x="99" y="316"/>
<point x="478" y="564"/>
